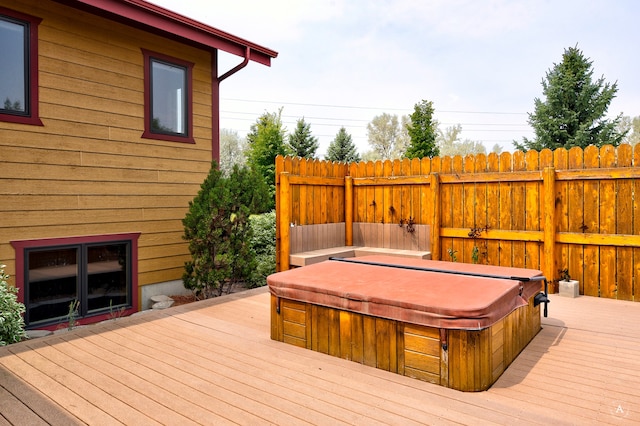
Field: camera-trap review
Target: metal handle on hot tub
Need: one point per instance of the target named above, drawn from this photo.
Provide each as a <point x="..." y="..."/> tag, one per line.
<point x="542" y="297"/>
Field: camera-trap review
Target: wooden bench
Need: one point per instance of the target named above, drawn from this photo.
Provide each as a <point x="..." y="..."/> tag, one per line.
<point x="316" y="243"/>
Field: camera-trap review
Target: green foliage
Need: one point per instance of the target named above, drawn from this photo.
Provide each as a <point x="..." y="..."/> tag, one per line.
<point x="217" y="228"/>
<point x="301" y="142"/>
<point x="574" y="108"/>
<point x="265" y="143"/>
<point x="453" y="254"/>
<point x="11" y="311"/>
<point x="342" y="148"/>
<point x="72" y="315"/>
<point x="263" y="243"/>
<point x="382" y="133"/>
<point x="422" y="132"/>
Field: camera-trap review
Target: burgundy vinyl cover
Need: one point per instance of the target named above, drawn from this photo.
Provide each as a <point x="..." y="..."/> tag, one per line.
<point x="433" y="299"/>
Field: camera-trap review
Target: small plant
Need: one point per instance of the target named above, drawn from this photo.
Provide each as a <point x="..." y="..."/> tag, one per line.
<point x="114" y="313"/>
<point x="11" y="319"/>
<point x="564" y="274"/>
<point x="72" y="316"/>
<point x="410" y="224"/>
<point x="474" y="234"/>
<point x="452" y="254"/>
<point x="475" y="255"/>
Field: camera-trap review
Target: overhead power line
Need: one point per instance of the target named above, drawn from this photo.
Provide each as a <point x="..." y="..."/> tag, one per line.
<point x="367" y="107"/>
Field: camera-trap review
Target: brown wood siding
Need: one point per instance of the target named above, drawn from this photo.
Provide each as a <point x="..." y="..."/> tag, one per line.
<point x="87" y="171"/>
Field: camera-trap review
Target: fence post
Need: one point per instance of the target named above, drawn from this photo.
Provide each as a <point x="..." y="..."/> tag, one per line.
<point x="549" y="185"/>
<point x="285" y="214"/>
<point x="348" y="211"/>
<point x="435" y="227"/>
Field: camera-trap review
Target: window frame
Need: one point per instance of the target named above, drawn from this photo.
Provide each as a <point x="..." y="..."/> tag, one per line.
<point x="148" y="133"/>
<point x="22" y="249"/>
<point x="32" y="116"/>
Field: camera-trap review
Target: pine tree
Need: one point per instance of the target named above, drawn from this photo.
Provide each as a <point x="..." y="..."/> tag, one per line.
<point x="219" y="233"/>
<point x="301" y="142"/>
<point x="422" y="130"/>
<point x="574" y="108"/>
<point x="342" y="148"/>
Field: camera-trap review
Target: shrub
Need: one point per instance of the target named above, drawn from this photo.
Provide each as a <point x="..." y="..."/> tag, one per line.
<point x="217" y="228"/>
<point x="263" y="244"/>
<point x="11" y="319"/>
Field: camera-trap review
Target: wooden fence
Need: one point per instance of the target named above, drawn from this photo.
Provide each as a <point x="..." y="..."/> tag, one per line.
<point x="549" y="210"/>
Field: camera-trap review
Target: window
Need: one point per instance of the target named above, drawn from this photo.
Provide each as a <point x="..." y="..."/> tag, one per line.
<point x="94" y="275"/>
<point x="167" y="108"/>
<point x="19" y="67"/>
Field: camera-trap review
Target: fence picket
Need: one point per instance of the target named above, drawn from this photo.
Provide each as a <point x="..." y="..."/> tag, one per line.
<point x="591" y="224"/>
<point x="594" y="199"/>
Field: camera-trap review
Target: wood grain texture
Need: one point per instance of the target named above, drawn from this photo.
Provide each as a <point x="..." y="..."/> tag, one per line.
<point x="214" y="362"/>
<point x="594" y="201"/>
<point x="87" y="171"/>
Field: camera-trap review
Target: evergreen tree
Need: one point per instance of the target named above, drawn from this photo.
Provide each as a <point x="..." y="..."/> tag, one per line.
<point x="265" y="142"/>
<point x="301" y="142"/>
<point x="574" y="108"/>
<point x="342" y="148"/>
<point x="422" y="131"/>
<point x="218" y="230"/>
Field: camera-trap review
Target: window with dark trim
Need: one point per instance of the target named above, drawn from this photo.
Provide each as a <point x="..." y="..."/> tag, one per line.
<point x="167" y="98"/>
<point x="19" y="67"/>
<point x="91" y="277"/>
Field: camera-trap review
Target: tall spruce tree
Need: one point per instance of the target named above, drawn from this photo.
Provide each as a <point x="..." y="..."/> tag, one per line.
<point x="423" y="130"/>
<point x="342" y="148"/>
<point x="574" y="107"/>
<point x="301" y="142"/>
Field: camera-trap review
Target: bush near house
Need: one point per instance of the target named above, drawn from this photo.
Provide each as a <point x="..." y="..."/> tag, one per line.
<point x="263" y="243"/>
<point x="11" y="311"/>
<point x="219" y="233"/>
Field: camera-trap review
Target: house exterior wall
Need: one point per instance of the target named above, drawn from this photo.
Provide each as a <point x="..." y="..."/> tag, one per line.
<point x="87" y="170"/>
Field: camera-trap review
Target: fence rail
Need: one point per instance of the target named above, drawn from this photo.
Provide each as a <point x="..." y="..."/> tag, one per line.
<point x="551" y="210"/>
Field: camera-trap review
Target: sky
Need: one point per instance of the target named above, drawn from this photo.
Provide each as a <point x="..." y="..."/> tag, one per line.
<point x="481" y="62"/>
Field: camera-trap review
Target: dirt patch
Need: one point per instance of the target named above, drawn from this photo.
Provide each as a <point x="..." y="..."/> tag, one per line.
<point x="182" y="299"/>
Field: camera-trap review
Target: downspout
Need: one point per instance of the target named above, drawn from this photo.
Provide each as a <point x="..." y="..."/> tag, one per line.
<point x="215" y="101"/>
<point x="237" y="67"/>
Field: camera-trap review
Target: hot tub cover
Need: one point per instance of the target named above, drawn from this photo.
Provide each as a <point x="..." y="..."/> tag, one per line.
<point x="433" y="299"/>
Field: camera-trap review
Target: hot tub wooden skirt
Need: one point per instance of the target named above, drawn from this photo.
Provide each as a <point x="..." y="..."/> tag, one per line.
<point x="466" y="360"/>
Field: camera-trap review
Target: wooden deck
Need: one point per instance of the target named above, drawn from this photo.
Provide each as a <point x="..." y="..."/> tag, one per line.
<point x="212" y="362"/>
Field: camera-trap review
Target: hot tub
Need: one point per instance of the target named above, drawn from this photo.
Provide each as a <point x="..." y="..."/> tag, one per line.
<point x="454" y="324"/>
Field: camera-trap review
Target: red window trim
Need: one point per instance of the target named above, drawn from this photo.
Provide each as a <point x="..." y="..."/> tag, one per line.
<point x="21" y="245"/>
<point x="34" y="116"/>
<point x="148" y="134"/>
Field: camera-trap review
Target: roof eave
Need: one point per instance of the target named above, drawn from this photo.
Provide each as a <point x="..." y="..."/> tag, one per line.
<point x="156" y="19"/>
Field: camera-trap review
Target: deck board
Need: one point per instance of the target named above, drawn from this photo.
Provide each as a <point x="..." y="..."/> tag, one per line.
<point x="212" y="362"/>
